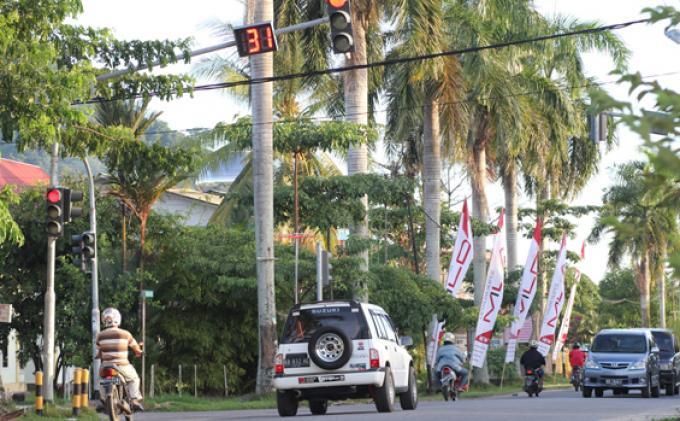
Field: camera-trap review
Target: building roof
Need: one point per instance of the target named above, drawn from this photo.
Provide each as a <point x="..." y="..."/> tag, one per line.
<point x="21" y="174"/>
<point x="211" y="199"/>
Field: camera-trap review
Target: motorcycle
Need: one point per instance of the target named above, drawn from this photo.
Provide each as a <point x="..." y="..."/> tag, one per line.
<point x="114" y="394"/>
<point x="576" y="377"/>
<point x="450" y="383"/>
<point x="532" y="383"/>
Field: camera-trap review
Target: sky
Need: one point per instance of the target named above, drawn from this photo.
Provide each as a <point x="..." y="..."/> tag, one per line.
<point x="652" y="54"/>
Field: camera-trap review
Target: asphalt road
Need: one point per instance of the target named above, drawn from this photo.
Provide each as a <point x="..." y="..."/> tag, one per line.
<point x="551" y="405"/>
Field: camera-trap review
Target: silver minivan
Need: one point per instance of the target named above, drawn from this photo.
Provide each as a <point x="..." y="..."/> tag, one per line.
<point x="621" y="360"/>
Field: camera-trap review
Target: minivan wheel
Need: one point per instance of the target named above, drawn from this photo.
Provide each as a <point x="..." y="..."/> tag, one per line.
<point x="599" y="392"/>
<point x="670" y="387"/>
<point x="330" y="348"/>
<point x="586" y="391"/>
<point x="286" y="403"/>
<point x="647" y="390"/>
<point x="384" y="395"/>
<point x="318" y="406"/>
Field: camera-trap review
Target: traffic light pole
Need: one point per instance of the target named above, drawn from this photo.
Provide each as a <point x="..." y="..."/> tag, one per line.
<point x="50" y="299"/>
<point x="213" y="48"/>
<point x="95" y="280"/>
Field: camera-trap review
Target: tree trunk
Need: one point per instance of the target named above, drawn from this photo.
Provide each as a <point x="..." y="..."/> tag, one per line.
<point x="142" y="238"/>
<point x="480" y="206"/>
<point x="541" y="196"/>
<point x="511" y="210"/>
<point x="643" y="287"/>
<point x="356" y="111"/>
<point x="262" y="66"/>
<point x="661" y="274"/>
<point x="432" y="168"/>
<point x="124" y="239"/>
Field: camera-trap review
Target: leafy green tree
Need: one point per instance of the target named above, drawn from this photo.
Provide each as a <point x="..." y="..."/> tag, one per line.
<point x="620" y="299"/>
<point x="133" y="115"/>
<point x="9" y="230"/>
<point x="640" y="225"/>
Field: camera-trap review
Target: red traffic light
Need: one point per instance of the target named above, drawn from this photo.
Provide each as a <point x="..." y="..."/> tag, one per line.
<point x="337" y="3"/>
<point x="53" y="195"/>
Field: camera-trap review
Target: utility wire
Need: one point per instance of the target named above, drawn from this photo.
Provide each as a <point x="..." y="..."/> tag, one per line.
<point x="402" y="60"/>
<point x="384" y="110"/>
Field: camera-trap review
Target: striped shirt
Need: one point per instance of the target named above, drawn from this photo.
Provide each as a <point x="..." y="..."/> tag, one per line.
<point x="113" y="343"/>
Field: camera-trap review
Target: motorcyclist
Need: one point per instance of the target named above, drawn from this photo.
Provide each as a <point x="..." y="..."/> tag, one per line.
<point x="577" y="358"/>
<point x="450" y="355"/>
<point x="112" y="347"/>
<point x="533" y="360"/>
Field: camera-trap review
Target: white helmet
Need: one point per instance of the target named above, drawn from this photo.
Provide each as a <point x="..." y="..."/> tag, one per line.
<point x="111" y="317"/>
<point x="449" y="337"/>
<point x="533" y="344"/>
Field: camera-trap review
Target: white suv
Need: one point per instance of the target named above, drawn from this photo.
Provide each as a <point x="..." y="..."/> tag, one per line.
<point x="342" y="350"/>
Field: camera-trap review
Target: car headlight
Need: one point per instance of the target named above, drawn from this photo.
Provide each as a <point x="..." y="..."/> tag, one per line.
<point x="638" y="365"/>
<point x="592" y="364"/>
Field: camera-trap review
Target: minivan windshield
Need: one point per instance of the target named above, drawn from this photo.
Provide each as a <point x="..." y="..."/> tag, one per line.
<point x="664" y="341"/>
<point x="622" y="343"/>
<point x="301" y="325"/>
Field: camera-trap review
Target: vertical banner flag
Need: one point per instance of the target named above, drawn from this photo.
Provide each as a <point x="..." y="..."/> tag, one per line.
<point x="555" y="301"/>
<point x="564" y="327"/>
<point x="526" y="292"/>
<point x="462" y="253"/>
<point x="435" y="337"/>
<point x="493" y="297"/>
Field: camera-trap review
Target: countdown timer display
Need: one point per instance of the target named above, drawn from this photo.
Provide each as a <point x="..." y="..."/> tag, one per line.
<point x="255" y="39"/>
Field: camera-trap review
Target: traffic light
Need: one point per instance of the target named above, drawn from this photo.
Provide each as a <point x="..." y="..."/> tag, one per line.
<point x="326" y="267"/>
<point x="70" y="211"/>
<point x="55" y="212"/>
<point x="84" y="246"/>
<point x="340" y="17"/>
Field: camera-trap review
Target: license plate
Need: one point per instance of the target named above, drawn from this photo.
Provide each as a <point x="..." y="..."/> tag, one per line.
<point x="615" y="382"/>
<point x="333" y="378"/>
<point x="113" y="380"/>
<point x="296" y="361"/>
<point x="310" y="379"/>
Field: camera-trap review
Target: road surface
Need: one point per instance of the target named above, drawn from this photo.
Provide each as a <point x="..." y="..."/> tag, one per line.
<point x="559" y="405"/>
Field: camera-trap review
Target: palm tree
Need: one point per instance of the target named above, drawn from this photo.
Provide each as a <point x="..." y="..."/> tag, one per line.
<point x="640" y="228"/>
<point x="133" y="115"/>
<point x="422" y="87"/>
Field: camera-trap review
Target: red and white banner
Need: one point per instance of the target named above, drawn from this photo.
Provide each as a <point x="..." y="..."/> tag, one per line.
<point x="551" y="315"/>
<point x="526" y="292"/>
<point x="462" y="253"/>
<point x="435" y="337"/>
<point x="493" y="297"/>
<point x="564" y="327"/>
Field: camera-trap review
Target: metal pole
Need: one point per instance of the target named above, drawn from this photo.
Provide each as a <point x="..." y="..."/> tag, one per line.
<point x="95" y="280"/>
<point x="211" y="49"/>
<point x="297" y="222"/>
<point x="180" y="380"/>
<point x="143" y="342"/>
<point x="50" y="298"/>
<point x="195" y="382"/>
<point x="319" y="269"/>
<point x="226" y="387"/>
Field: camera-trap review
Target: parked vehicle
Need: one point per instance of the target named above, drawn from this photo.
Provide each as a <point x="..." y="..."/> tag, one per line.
<point x="576" y="377"/>
<point x="622" y="360"/>
<point x="533" y="384"/>
<point x="114" y="393"/>
<point x="450" y="383"/>
<point x="669" y="360"/>
<point x="335" y="350"/>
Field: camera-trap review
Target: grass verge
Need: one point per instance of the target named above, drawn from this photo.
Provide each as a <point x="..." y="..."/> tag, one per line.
<point x="52" y="412"/>
<point x="175" y="403"/>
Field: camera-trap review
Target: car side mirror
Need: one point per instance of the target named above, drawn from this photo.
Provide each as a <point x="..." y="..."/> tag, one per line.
<point x="655" y="349"/>
<point x="406" y="341"/>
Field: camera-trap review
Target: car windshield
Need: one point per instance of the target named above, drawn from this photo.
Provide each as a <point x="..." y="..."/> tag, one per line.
<point x="664" y="341"/>
<point x="302" y="324"/>
<point x="630" y="344"/>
